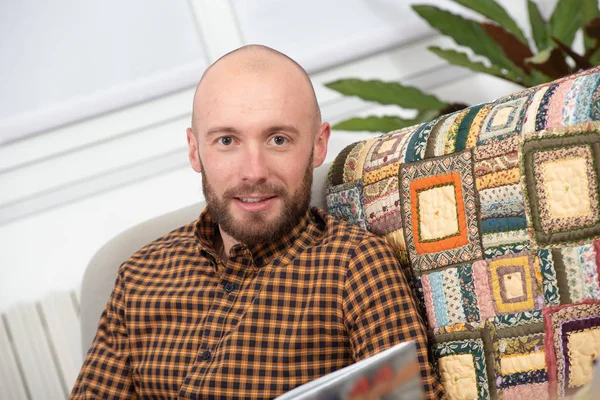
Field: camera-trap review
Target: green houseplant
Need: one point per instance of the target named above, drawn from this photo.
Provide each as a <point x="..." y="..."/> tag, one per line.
<point x="510" y="55"/>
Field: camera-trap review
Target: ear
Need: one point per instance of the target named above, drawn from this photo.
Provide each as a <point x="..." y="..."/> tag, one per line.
<point x="320" y="144"/>
<point x="193" y="150"/>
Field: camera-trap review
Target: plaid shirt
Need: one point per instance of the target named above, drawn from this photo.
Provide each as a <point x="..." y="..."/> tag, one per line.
<point x="182" y="323"/>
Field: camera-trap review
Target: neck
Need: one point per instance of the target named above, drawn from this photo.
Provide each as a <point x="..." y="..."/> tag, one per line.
<point x="227" y="242"/>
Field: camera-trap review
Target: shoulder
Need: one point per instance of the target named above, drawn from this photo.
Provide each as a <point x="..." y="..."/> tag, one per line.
<point x="179" y="242"/>
<point x="343" y="235"/>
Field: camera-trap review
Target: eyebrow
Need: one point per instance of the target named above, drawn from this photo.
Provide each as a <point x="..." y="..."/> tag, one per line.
<point x="221" y="129"/>
<point x="284" y="128"/>
<point x="275" y="128"/>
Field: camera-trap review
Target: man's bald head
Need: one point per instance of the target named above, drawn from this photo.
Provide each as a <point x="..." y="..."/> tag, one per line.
<point x="256" y="60"/>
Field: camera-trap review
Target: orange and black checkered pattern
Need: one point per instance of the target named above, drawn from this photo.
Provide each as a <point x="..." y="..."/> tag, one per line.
<point x="182" y="323"/>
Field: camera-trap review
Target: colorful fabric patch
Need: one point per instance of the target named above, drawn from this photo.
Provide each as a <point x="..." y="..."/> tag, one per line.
<point x="595" y="105"/>
<point x="567" y="200"/>
<point x="427" y="294"/>
<point x="437" y="137"/>
<point x="585" y="98"/>
<point x="530" y="124"/>
<point x="513" y="285"/>
<point x="452" y="135"/>
<point x="354" y="162"/>
<point x="541" y="118"/>
<point x="439" y="215"/>
<point x="386" y="154"/>
<point x="382" y="206"/>
<point x="453" y="294"/>
<point x="467" y="288"/>
<point x="520" y="318"/>
<point x="496" y="148"/>
<point x="572" y="344"/>
<point x="502" y="224"/>
<point x="337" y="170"/>
<point x="500" y="178"/>
<point x="505" y="250"/>
<point x="472" y="117"/>
<point x="483" y="290"/>
<point x="476" y="125"/>
<point x="449" y="296"/>
<point x="456" y="373"/>
<point x="458" y="376"/>
<point x="557" y="103"/>
<point x="537" y="391"/>
<point x="522" y="362"/>
<point x="505" y="118"/>
<point x="496" y="164"/>
<point x="577" y="273"/>
<point x="582" y="346"/>
<point x="524" y="378"/>
<point x="417" y="144"/>
<point x="547" y="268"/>
<point x="563" y="207"/>
<point x="518" y="345"/>
<point x="518" y="354"/>
<point x="503" y="201"/>
<point x="570" y="106"/>
<point x="505" y="238"/>
<point x="345" y="201"/>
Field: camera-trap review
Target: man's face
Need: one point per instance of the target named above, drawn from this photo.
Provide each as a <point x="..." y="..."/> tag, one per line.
<point x="256" y="149"/>
<point x="255" y="224"/>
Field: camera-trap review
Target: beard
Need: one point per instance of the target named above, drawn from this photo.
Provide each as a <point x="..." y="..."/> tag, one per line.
<point x="256" y="227"/>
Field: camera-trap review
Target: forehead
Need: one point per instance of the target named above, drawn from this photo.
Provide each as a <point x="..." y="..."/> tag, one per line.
<point x="233" y="95"/>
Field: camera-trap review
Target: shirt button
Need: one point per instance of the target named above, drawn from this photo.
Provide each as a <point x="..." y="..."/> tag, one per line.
<point x="206" y="355"/>
<point x="229" y="287"/>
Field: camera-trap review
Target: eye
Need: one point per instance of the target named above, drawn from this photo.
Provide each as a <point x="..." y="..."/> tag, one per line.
<point x="279" y="140"/>
<point x="225" y="140"/>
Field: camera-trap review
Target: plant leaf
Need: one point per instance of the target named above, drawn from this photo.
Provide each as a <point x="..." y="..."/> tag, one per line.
<point x="429" y="115"/>
<point x="374" y="124"/>
<point x="466" y="32"/>
<point x="550" y="62"/>
<point x="511" y="46"/>
<point x="496" y="13"/>
<point x="592" y="32"/>
<point x="565" y="21"/>
<point x="595" y="58"/>
<point x="580" y="61"/>
<point x="592" y="29"/>
<point x="590" y="12"/>
<point x="387" y="93"/>
<point x="539" y="28"/>
<point x="459" y="58"/>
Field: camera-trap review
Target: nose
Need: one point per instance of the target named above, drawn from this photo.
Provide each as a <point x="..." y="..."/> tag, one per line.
<point x="254" y="167"/>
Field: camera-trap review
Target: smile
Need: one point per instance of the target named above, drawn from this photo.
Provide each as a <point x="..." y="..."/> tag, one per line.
<point x="252" y="199"/>
<point x="253" y="204"/>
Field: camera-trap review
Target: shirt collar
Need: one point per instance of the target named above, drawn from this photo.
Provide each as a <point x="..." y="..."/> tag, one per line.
<point x="206" y="230"/>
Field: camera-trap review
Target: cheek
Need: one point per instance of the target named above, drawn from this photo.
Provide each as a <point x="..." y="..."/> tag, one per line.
<point x="292" y="174"/>
<point x="219" y="175"/>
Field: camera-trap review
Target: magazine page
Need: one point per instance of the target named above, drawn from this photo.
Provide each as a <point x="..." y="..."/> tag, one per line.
<point x="391" y="374"/>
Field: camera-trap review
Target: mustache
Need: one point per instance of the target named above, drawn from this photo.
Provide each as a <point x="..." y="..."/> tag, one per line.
<point x="261" y="188"/>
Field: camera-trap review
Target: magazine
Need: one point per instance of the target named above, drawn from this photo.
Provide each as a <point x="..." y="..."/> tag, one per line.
<point x="391" y="374"/>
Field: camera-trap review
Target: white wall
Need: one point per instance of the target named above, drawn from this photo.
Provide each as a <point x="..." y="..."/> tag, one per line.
<point x="68" y="190"/>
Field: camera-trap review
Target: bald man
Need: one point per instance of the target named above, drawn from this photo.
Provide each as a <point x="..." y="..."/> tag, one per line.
<point x="262" y="293"/>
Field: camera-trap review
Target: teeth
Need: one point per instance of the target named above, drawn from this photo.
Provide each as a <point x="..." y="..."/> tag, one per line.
<point x="251" y="200"/>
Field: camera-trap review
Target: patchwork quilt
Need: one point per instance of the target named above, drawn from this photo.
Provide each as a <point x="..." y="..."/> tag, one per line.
<point x="494" y="214"/>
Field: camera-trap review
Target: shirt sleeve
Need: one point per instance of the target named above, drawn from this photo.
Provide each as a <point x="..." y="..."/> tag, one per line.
<point x="380" y="310"/>
<point x="106" y="369"/>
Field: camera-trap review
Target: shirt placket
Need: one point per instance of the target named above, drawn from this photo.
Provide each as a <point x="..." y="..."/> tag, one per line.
<point x="219" y="320"/>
